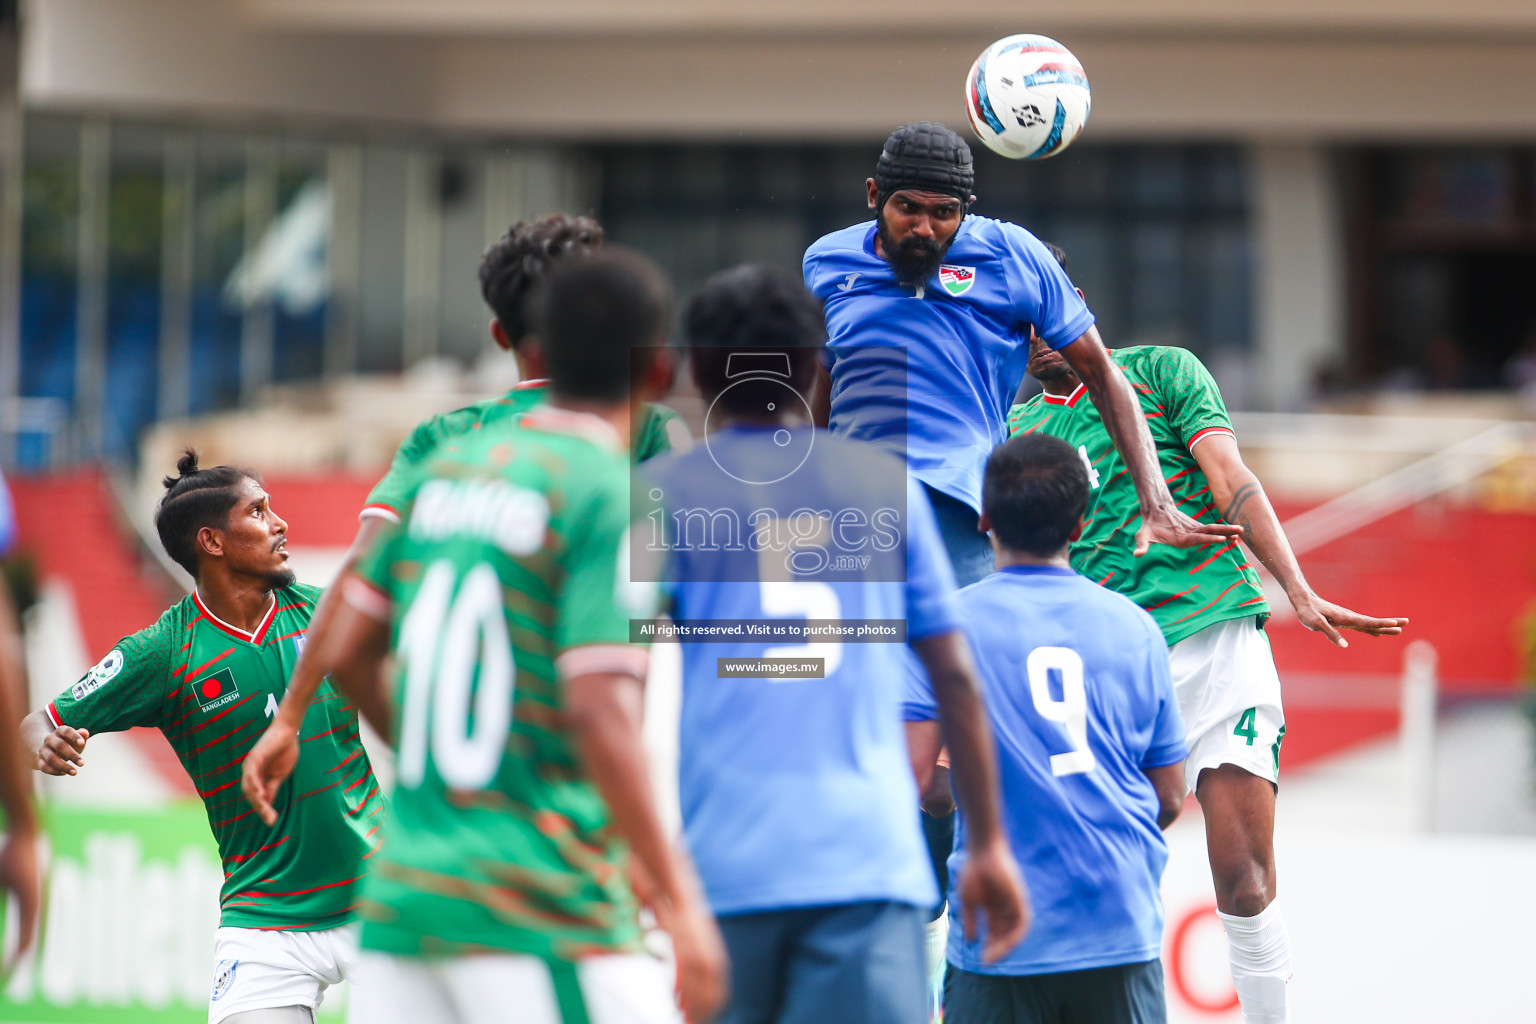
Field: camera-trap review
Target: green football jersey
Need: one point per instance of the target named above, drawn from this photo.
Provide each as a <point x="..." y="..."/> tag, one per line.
<point x="508" y="574"/>
<point x="1184" y="589"/>
<point x="660" y="429"/>
<point x="211" y="688"/>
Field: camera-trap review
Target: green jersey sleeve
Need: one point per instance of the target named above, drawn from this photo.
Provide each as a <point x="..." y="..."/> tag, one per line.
<point x="661" y="430"/>
<point x="1188" y="393"/>
<point x="391" y="494"/>
<point x="127" y="688"/>
<point x="597" y="598"/>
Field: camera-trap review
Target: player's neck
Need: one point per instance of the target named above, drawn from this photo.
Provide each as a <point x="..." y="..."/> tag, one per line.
<point x="240" y="601"/>
<point x="1006" y="557"/>
<point x="1060" y="387"/>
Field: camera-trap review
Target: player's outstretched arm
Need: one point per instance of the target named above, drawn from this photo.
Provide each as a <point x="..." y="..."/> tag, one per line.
<point x="18" y="860"/>
<point x="271" y="760"/>
<point x="604" y="710"/>
<point x="991" y="880"/>
<point x="1243" y="503"/>
<point x="1161" y="522"/>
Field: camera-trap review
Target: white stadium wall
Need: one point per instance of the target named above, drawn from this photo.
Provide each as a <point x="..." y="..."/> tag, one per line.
<point x="605" y="69"/>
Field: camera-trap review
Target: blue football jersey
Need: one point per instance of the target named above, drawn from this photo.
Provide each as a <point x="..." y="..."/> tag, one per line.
<point x="1077" y="689"/>
<point x="799" y="792"/>
<point x="931" y="373"/>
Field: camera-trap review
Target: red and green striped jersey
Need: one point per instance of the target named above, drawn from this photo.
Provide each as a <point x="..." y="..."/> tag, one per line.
<point x="1184" y="589"/>
<point x="509" y="575"/>
<point x="658" y="430"/>
<point x="211" y="688"/>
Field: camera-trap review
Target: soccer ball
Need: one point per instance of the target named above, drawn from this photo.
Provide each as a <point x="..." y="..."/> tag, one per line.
<point x="1027" y="97"/>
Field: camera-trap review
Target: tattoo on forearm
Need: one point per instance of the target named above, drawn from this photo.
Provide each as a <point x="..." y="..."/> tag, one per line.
<point x="1235" y="513"/>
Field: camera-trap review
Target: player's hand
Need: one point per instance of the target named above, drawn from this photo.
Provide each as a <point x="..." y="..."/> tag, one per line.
<point x="1167" y="525"/>
<point x="1327" y="618"/>
<point x="991" y="882"/>
<point x="19" y="875"/>
<point x="702" y="966"/>
<point x="63" y="751"/>
<point x="268" y="766"/>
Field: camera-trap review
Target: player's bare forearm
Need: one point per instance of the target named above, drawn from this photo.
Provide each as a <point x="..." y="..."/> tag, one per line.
<point x="56" y="751"/>
<point x="1118" y="407"/>
<point x="314" y="662"/>
<point x="1239" y="496"/>
<point x="963" y="719"/>
<point x="604" y="710"/>
<point x="1237" y="492"/>
<point x="357" y="646"/>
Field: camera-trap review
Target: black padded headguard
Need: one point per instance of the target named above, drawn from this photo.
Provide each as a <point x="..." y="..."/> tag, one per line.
<point x="928" y="157"/>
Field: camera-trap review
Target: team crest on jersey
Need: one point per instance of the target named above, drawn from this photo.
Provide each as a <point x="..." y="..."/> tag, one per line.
<point x="104" y="672"/>
<point x="957" y="280"/>
<point x="298" y="644"/>
<point x="215" y="691"/>
<point x="223" y="978"/>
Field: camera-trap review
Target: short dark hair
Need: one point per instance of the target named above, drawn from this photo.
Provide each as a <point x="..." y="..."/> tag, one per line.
<point x="1057" y="253"/>
<point x="196" y="498"/>
<point x="1035" y="492"/>
<point x="601" y="319"/>
<point x="519" y="261"/>
<point x="750" y="309"/>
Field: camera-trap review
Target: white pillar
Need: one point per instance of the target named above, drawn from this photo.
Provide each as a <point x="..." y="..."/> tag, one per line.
<point x="1299" y="267"/>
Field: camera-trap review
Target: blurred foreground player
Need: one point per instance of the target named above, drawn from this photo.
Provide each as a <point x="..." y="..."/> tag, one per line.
<point x="1212" y="610"/>
<point x="797" y="803"/>
<point x="510" y="271"/>
<point x="1090" y="757"/>
<point x="501" y="891"/>
<point x="18" y="859"/>
<point x="208" y="675"/>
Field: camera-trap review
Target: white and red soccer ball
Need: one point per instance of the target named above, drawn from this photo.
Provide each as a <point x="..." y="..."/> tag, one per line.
<point x="1027" y="97"/>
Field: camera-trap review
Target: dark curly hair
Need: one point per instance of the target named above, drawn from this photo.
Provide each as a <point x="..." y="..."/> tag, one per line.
<point x="749" y="309"/>
<point x="520" y="260"/>
<point x="196" y="498"/>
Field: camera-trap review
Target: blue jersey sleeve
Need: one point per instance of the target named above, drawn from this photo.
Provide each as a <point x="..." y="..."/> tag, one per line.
<point x="931" y="606"/>
<point x="1167" y="744"/>
<point x="917" y="700"/>
<point x="1042" y="293"/>
<point x="7" y="519"/>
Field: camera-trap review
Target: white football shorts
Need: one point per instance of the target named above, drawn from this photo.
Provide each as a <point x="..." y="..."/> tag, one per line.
<point x="1229" y="697"/>
<point x="260" y="968"/>
<point x="496" y="988"/>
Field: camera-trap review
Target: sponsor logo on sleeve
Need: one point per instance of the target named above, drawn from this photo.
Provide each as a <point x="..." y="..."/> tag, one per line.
<point x="957" y="280"/>
<point x="104" y="672"/>
<point x="216" y="690"/>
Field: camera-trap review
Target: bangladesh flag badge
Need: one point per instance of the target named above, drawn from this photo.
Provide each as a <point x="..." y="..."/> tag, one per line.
<point x="957" y="280"/>
<point x="216" y="690"/>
